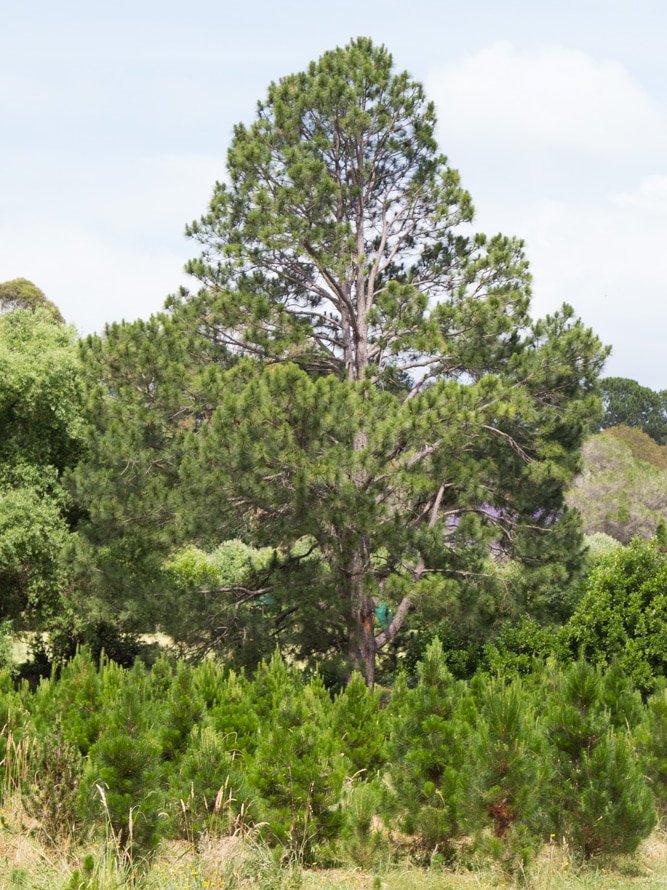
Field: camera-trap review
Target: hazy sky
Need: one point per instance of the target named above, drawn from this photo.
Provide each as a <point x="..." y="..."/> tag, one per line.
<point x="116" y="119"/>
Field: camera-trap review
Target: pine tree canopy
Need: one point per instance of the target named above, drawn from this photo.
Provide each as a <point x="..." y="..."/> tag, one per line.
<point x="382" y="397"/>
<point x="626" y="403"/>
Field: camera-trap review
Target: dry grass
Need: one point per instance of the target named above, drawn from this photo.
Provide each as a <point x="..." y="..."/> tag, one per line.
<point x="243" y="863"/>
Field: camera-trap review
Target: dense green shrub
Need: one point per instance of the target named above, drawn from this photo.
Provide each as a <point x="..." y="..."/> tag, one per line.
<point x="76" y="697"/>
<point x="122" y="780"/>
<point x="182" y="709"/>
<point x="208" y="792"/>
<point x="191" y="751"/>
<point x="362" y="841"/>
<point x="431" y="727"/>
<point x="652" y="743"/>
<point x="296" y="770"/>
<point x="623" y="614"/>
<point x="600" y="800"/>
<point x="510" y="772"/>
<point x="520" y="648"/>
<point x="360" y="726"/>
<point x="234" y="713"/>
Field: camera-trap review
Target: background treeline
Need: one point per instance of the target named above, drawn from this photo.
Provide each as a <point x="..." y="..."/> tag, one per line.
<point x="622" y="489"/>
<point x="493" y="768"/>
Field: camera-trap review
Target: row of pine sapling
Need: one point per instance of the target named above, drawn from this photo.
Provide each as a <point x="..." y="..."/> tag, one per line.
<point x="437" y="768"/>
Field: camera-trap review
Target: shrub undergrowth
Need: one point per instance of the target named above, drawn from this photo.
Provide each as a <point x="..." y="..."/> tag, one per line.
<point x="448" y="774"/>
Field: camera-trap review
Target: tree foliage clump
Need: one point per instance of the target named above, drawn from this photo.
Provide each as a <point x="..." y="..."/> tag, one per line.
<point x="23" y="294"/>
<point x="41" y="437"/>
<point x="143" y="396"/>
<point x="213" y="584"/>
<point x="622" y="489"/>
<point x="641" y="445"/>
<point x="627" y="403"/>
<point x="623" y="613"/>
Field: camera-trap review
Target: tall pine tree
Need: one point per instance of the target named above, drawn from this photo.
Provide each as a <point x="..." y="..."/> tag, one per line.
<point x="392" y="398"/>
<point x="382" y="400"/>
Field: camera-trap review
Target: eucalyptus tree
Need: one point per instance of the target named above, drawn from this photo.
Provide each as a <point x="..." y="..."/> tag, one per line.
<point x="41" y="437"/>
<point x="389" y="397"/>
<point x="19" y="293"/>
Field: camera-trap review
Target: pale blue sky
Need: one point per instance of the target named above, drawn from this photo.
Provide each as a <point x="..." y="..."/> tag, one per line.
<point x="116" y="120"/>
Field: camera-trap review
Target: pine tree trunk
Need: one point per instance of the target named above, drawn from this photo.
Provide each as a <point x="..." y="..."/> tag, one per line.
<point x="362" y="606"/>
<point x="362" y="646"/>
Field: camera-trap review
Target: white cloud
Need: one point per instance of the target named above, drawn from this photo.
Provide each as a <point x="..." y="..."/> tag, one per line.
<point x="112" y="248"/>
<point x="650" y="197"/>
<point x="569" y="153"/>
<point x="551" y="98"/>
<point x="92" y="279"/>
<point x="607" y="260"/>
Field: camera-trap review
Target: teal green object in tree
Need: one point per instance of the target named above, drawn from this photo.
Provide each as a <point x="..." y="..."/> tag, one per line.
<point x="383" y="615"/>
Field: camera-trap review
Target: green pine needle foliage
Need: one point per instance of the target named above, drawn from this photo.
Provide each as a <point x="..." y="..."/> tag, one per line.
<point x="431" y="727"/>
<point x="601" y="801"/>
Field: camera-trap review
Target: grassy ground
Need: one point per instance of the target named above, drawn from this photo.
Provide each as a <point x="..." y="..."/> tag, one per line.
<point x="234" y="864"/>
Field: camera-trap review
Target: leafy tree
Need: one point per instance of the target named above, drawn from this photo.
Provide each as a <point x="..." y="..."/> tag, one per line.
<point x="32" y="536"/>
<point x="358" y="375"/>
<point x="620" y="492"/>
<point x="41" y="436"/>
<point x="627" y="403"/>
<point x="41" y="392"/>
<point x="23" y="294"/>
<point x="623" y="614"/>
